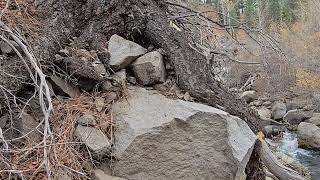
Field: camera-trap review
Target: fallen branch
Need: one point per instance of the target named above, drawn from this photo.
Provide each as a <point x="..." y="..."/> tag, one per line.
<point x="208" y="51"/>
<point x="4" y="9"/>
<point x="43" y="90"/>
<point x="249" y="83"/>
<point x="195" y="13"/>
<point x="273" y="164"/>
<point x="275" y="122"/>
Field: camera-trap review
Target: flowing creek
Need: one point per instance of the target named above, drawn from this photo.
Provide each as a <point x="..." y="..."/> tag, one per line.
<point x="289" y="146"/>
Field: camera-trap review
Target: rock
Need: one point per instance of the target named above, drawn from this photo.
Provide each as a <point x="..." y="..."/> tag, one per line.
<point x="6" y="48"/>
<point x="309" y="107"/>
<point x="139" y="100"/>
<point x="123" y="52"/>
<point x="66" y="86"/>
<point x="256" y="103"/>
<point x="267" y="103"/>
<point x="309" y="135"/>
<point x="160" y="87"/>
<point x="4" y="121"/>
<point x="264" y="98"/>
<point x="249" y="96"/>
<point x="84" y="64"/>
<point x="187" y="96"/>
<point x="278" y="110"/>
<point x="120" y="77"/>
<point x="316" y="97"/>
<point x="132" y="80"/>
<point x="111" y="96"/>
<point x="87" y="119"/>
<point x="264" y="113"/>
<point x="161" y="138"/>
<point x="115" y="81"/>
<point x="316" y="101"/>
<point x="315" y="119"/>
<point x="99" y="102"/>
<point x="273" y="130"/>
<point x="293" y="105"/>
<point x="29" y="126"/>
<point x="107" y="85"/>
<point x="94" y="139"/>
<point x="295" y="117"/>
<point x="149" y="69"/>
<point x="99" y="70"/>
<point x="100" y="175"/>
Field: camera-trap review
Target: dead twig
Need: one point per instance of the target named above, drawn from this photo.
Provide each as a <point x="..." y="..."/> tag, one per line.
<point x="43" y="89"/>
<point x="4" y="9"/>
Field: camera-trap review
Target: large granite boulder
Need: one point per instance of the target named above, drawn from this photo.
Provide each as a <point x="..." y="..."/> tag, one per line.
<point x="315" y="119"/>
<point x="309" y="135"/>
<point x="295" y="117"/>
<point x="161" y="138"/>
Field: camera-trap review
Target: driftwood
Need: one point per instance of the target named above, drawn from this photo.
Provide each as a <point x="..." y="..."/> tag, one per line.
<point x="273" y="164"/>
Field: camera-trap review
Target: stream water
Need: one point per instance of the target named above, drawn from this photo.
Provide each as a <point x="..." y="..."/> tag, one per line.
<point x="289" y="146"/>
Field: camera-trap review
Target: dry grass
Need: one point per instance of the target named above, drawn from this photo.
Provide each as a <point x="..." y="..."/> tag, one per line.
<point x="67" y="154"/>
<point x="23" y="17"/>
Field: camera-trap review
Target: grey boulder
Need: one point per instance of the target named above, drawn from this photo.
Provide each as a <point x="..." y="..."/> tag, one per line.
<point x="267" y="103"/>
<point x="256" y="103"/>
<point x="249" y="96"/>
<point x="278" y="110"/>
<point x="295" y="117"/>
<point x="315" y="119"/>
<point x="273" y="130"/>
<point x="94" y="139"/>
<point x="309" y="135"/>
<point x="264" y="113"/>
<point x="293" y="105"/>
<point x="161" y="138"/>
<point x="123" y="52"/>
<point x="88" y="119"/>
<point x="149" y="69"/>
<point x="115" y="81"/>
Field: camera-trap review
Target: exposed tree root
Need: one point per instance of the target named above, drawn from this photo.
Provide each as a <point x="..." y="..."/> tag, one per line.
<point x="273" y="164"/>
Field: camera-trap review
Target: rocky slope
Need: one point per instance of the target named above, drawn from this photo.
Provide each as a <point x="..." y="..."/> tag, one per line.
<point x="128" y="105"/>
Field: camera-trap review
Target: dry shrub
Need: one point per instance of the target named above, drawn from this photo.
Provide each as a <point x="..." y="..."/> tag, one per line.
<point x="275" y="73"/>
<point x="302" y="44"/>
<point x="307" y="79"/>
